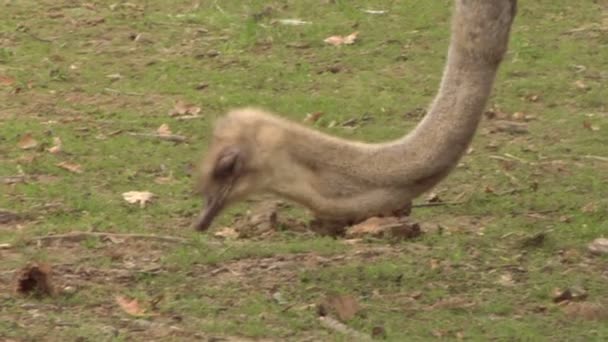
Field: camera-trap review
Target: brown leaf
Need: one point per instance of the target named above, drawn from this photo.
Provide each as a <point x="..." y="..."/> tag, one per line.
<point x="342" y="40"/>
<point x="56" y="148"/>
<point x="72" y="167"/>
<point x="518" y="116"/>
<point x="6" y="81"/>
<point x="141" y="197"/>
<point x="379" y="333"/>
<point x="589" y="126"/>
<point x="569" y="294"/>
<point x="506" y="280"/>
<point x="581" y="85"/>
<point x="586" y="310"/>
<point x="532" y="98"/>
<point x="8" y="216"/>
<point x="164" y="130"/>
<point x="391" y="226"/>
<point x="313" y="117"/>
<point x="227" y="233"/>
<point x="27" y="142"/>
<point x="598" y="246"/>
<point x="590" y="208"/>
<point x="130" y="306"/>
<point x="164" y="180"/>
<point x="34" y="278"/>
<point x="433" y="198"/>
<point x="183" y="108"/>
<point x="345" y="306"/>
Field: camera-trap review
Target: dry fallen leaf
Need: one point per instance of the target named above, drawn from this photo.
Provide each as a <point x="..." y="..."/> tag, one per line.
<point x="164" y="130"/>
<point x="518" y="116"/>
<point x="342" y="40"/>
<point x="227" y="233"/>
<point x="590" y="126"/>
<point x="506" y="280"/>
<point x="56" y="148"/>
<point x="130" y="306"/>
<point x="590" y="208"/>
<point x="569" y="294"/>
<point x="164" y="180"/>
<point x="293" y="22"/>
<point x="313" y="117"/>
<point x="27" y="142"/>
<point x="6" y="80"/>
<point x="72" y="167"/>
<point x="114" y="77"/>
<point x="141" y="197"/>
<point x="598" y="246"/>
<point x="581" y="85"/>
<point x="586" y="310"/>
<point x="183" y="108"/>
<point x="395" y="227"/>
<point x="34" y="278"/>
<point x="345" y="306"/>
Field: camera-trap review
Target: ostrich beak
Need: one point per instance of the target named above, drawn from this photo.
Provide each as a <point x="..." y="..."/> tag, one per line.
<point x="207" y="215"/>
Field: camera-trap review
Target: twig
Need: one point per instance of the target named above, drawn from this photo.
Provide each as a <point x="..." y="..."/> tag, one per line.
<point x="79" y="236"/>
<point x="12" y="179"/>
<point x="340" y="327"/>
<point x="45" y="40"/>
<point x="168" y="137"/>
<point x="605" y="159"/>
<point x="509" y="157"/>
<point x="436" y="204"/>
<point x="219" y="8"/>
<point x="116" y="91"/>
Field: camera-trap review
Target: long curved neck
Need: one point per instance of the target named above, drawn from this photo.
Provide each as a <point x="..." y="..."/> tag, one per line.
<point x="479" y="39"/>
<point x="480" y="34"/>
<point x="344" y="176"/>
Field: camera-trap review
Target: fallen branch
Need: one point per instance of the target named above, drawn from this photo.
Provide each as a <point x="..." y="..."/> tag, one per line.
<point x="340" y="327"/>
<point x="168" y="137"/>
<point x="79" y="236"/>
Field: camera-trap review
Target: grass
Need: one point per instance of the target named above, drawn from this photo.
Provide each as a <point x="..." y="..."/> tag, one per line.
<point x="60" y="62"/>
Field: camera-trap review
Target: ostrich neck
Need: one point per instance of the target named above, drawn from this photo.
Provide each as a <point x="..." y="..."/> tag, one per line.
<point x="337" y="176"/>
<point x="432" y="148"/>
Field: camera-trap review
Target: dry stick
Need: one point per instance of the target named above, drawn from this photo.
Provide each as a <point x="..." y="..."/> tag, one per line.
<point x="605" y="159"/>
<point x="436" y="204"/>
<point x="333" y="324"/>
<point x="12" y="179"/>
<point x="168" y="137"/>
<point x="44" y="40"/>
<point x="116" y="91"/>
<point x="77" y="236"/>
